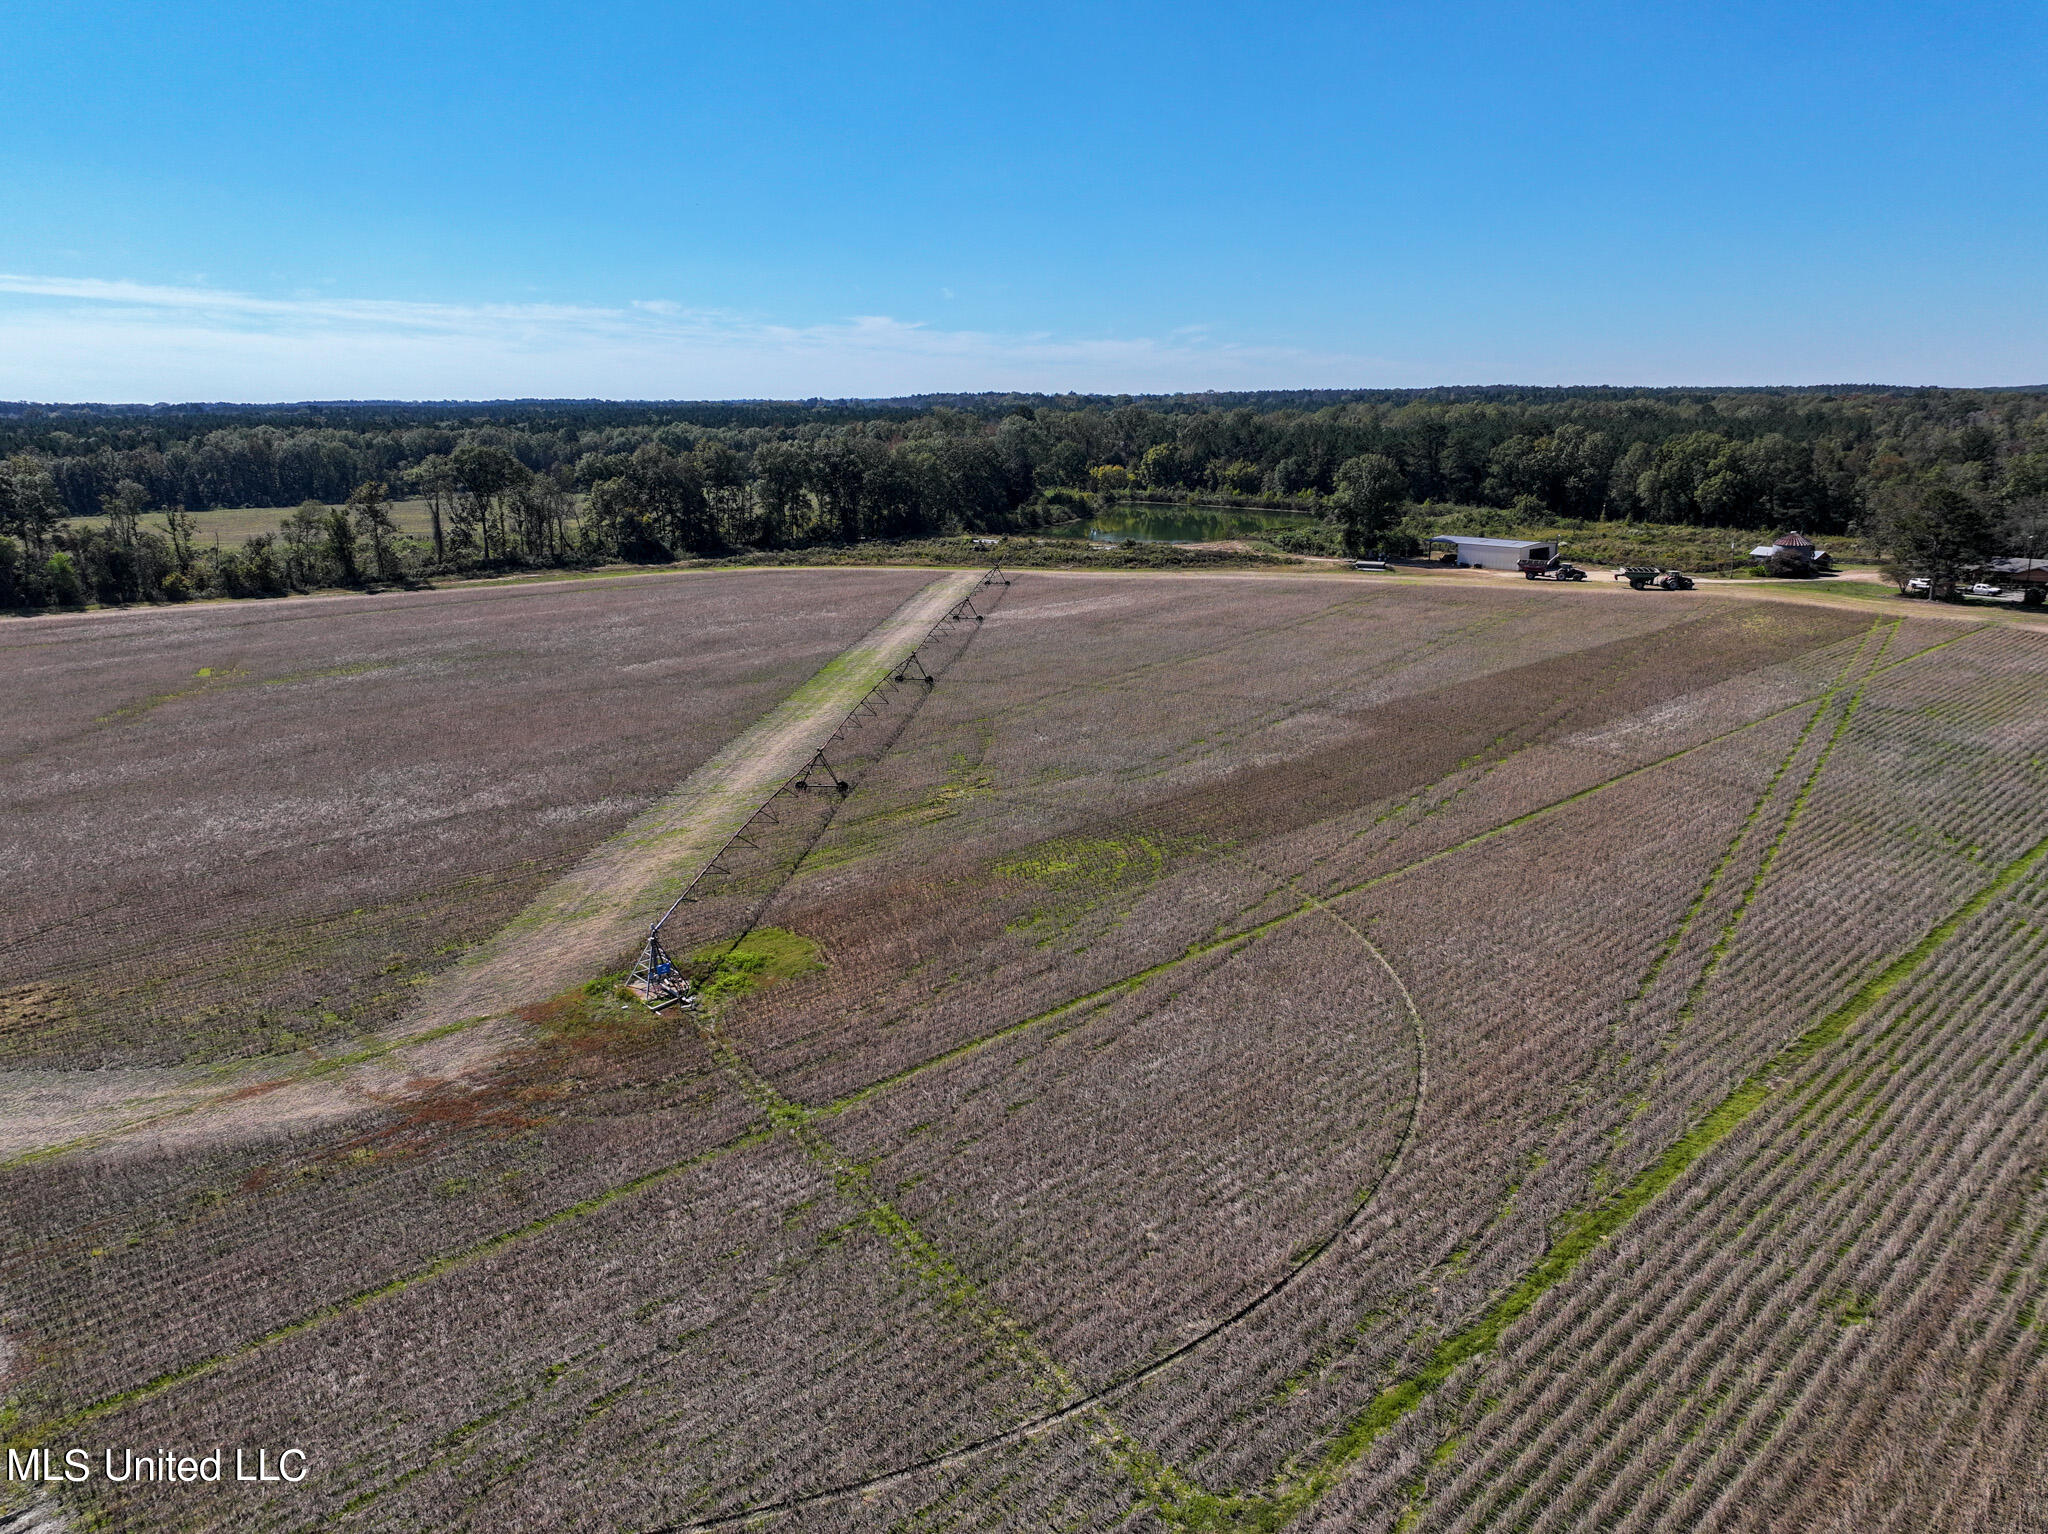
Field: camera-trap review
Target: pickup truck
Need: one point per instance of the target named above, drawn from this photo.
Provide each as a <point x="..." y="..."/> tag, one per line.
<point x="1556" y="568"/>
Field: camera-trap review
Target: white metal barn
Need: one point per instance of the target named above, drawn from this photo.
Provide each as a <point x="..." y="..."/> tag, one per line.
<point x="1494" y="553"/>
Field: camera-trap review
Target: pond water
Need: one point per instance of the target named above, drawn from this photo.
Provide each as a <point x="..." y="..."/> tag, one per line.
<point x="1173" y="524"/>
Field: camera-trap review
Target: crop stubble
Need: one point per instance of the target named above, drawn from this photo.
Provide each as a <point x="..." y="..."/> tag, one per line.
<point x="239" y="831"/>
<point x="1051" y="826"/>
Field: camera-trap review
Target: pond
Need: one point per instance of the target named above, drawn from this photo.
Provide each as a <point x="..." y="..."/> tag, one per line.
<point x="1173" y="524"/>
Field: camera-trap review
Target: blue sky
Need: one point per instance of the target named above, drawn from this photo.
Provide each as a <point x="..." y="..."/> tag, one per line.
<point x="631" y="201"/>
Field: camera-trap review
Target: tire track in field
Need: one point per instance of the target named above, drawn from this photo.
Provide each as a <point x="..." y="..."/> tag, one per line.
<point x="1532" y="737"/>
<point x="1692" y="911"/>
<point x="449" y="1261"/>
<point x="1671" y="944"/>
<point x="1160" y="1481"/>
<point x="575" y="928"/>
<point x="1175" y="1496"/>
<point x="1588" y="1229"/>
<point x="1583" y="1234"/>
<point x="1828" y="1154"/>
<point x="1246" y="934"/>
<point x="1201" y="950"/>
<point x="1173" y="1492"/>
<point x="1769" y="860"/>
<point x="1701" y="898"/>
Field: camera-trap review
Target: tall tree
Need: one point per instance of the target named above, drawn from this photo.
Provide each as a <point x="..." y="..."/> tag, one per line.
<point x="1370" y="490"/>
<point x="123" y="509"/>
<point x="540" y="515"/>
<point x="781" y="471"/>
<point x="182" y="531"/>
<point x="724" y="475"/>
<point x="483" y="474"/>
<point x="372" y="512"/>
<point x="302" y="533"/>
<point x="1935" y="530"/>
<point x="841" y="468"/>
<point x="29" y="504"/>
<point x="341" y="544"/>
<point x="121" y="561"/>
<point x="435" y="478"/>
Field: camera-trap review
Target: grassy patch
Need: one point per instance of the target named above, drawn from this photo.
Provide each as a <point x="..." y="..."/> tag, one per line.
<point x="1082" y="873"/>
<point x="232" y="524"/>
<point x="766" y="956"/>
<point x="1079" y="862"/>
<point x="1850" y="1306"/>
<point x="601" y="1012"/>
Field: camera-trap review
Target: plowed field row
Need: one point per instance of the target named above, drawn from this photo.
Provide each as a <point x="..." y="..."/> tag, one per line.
<point x="1205" y="1133"/>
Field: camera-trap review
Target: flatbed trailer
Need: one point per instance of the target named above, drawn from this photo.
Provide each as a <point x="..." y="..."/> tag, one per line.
<point x="1642" y="577"/>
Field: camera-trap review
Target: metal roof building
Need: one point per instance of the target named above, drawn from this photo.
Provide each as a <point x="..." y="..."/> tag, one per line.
<point x="1496" y="553"/>
<point x="1789" y="543"/>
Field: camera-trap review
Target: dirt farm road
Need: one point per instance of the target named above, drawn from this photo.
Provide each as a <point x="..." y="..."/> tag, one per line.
<point x="574" y="929"/>
<point x="588" y="919"/>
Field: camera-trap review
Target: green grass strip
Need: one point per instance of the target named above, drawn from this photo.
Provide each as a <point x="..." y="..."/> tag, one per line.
<point x="462" y="1256"/>
<point x="1586" y="1232"/>
<point x="1725" y="941"/>
<point x="1756" y="810"/>
<point x="1133" y="981"/>
<point x="1137" y="979"/>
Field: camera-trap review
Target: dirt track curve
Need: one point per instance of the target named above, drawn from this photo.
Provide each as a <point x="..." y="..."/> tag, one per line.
<point x="576" y="927"/>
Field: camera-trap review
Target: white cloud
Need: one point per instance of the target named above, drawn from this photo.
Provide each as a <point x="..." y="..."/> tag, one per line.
<point x="76" y="338"/>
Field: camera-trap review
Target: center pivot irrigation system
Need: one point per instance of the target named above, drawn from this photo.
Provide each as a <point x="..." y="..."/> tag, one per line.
<point x="656" y="978"/>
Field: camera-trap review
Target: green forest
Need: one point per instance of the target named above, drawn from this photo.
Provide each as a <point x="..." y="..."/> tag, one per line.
<point x="524" y="484"/>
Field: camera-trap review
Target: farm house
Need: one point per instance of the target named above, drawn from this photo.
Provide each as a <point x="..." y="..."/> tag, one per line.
<point x="1494" y="553"/>
<point x="2029" y="577"/>
<point x="2017" y="572"/>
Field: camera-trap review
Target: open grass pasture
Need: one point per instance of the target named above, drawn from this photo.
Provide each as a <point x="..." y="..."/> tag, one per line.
<point x="229" y="526"/>
<point x="1247" y="1053"/>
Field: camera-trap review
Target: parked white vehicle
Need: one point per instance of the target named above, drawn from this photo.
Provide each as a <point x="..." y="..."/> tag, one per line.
<point x="1920" y="583"/>
<point x="1986" y="589"/>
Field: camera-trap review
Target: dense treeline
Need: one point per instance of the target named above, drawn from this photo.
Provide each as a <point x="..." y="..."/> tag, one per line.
<point x="657" y="481"/>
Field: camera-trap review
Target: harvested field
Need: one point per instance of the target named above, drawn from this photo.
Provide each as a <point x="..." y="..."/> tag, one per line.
<point x="1245" y="1053"/>
<point x="242" y="830"/>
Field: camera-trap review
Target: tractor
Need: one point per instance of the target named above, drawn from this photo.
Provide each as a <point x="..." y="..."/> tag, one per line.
<point x="1555" y="568"/>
